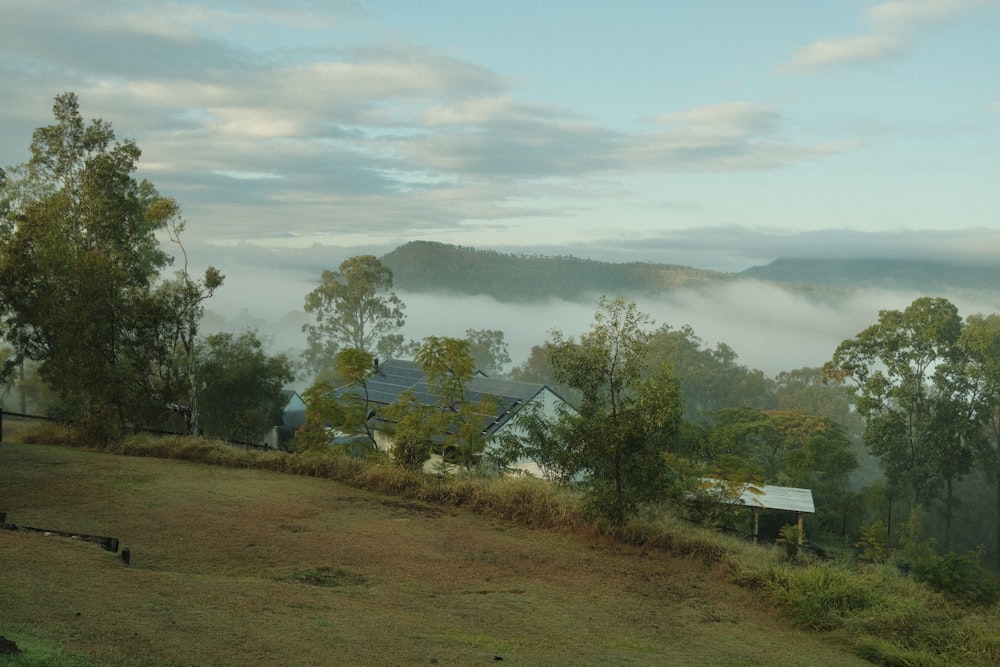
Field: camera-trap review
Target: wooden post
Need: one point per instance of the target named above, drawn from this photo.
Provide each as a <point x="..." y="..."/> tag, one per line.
<point x="802" y="536"/>
<point x="756" y="523"/>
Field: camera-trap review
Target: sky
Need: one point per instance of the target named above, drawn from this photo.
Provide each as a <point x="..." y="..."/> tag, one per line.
<point x="717" y="134"/>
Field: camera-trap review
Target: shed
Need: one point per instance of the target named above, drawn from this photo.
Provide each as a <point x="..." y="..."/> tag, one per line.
<point x="766" y="496"/>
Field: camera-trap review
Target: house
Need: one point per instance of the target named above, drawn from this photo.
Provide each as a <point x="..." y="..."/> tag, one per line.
<point x="395" y="376"/>
<point x="293" y="416"/>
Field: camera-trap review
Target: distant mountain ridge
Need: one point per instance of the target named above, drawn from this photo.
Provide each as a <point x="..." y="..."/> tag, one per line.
<point x="424" y="266"/>
<point x="912" y="274"/>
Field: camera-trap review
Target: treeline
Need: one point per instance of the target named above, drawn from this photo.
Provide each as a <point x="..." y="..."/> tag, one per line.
<point x="423" y="266"/>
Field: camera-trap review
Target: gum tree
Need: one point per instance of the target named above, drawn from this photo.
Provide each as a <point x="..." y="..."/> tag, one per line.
<point x="898" y="370"/>
<point x="354" y="307"/>
<point x="79" y="260"/>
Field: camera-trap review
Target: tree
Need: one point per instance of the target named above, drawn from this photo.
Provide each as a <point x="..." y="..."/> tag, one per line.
<point x="711" y="379"/>
<point x="240" y="386"/>
<point x="789" y="448"/>
<point x="898" y="372"/>
<point x="355" y="367"/>
<point x="78" y="260"/>
<point x="453" y="426"/>
<point x="188" y="295"/>
<point x="980" y="346"/>
<point x="488" y="350"/>
<point x="354" y="307"/>
<point x="628" y="415"/>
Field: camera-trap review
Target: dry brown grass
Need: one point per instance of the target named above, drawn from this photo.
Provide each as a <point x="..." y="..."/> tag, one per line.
<point x="244" y="566"/>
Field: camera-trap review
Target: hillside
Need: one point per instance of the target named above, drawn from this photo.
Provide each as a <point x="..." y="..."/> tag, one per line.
<point x="426" y="267"/>
<point x="924" y="276"/>
<point x="238" y="566"/>
<point x="421" y="266"/>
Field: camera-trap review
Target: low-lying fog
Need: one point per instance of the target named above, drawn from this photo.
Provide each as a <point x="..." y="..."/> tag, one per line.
<point x="770" y="328"/>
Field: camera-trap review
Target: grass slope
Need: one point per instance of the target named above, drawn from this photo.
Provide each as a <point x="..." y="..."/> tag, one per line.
<point x="234" y="566"/>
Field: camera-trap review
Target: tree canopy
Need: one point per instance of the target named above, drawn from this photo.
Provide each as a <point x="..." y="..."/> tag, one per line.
<point x="354" y="307"/>
<point x="79" y="260"/>
<point x="629" y="412"/>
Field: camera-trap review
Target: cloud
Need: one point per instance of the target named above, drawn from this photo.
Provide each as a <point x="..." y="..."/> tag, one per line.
<point x="735" y="136"/>
<point x="894" y="26"/>
<point x="377" y="136"/>
<point x="845" y="51"/>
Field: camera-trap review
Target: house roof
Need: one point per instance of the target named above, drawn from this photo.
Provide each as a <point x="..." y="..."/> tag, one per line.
<point x="767" y="496"/>
<point x="395" y="376"/>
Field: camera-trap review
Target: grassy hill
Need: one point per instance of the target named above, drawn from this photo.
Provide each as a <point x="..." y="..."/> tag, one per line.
<point x="238" y="566"/>
<point x="244" y="557"/>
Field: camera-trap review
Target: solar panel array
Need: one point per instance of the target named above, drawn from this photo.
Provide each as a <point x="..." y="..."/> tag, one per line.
<point x="396" y="376"/>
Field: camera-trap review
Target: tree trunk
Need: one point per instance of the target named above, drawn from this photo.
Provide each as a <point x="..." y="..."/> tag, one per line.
<point x="947" y="513"/>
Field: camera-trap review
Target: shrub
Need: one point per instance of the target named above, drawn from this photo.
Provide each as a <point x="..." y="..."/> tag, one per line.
<point x="820" y="596"/>
<point x="960" y="577"/>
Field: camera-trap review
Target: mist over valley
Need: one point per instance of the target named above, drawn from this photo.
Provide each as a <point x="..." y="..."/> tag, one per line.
<point x="779" y="316"/>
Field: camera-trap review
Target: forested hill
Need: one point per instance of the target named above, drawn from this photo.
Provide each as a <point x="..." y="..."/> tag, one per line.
<point x="917" y="275"/>
<point x="423" y="266"/>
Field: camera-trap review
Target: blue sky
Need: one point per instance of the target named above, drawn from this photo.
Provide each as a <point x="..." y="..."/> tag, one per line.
<point x="718" y="134"/>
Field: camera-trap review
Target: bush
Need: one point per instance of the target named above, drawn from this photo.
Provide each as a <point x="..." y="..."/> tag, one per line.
<point x="960" y="577"/>
<point x="821" y="596"/>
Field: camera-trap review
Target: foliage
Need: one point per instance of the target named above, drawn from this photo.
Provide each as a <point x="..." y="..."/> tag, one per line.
<point x="322" y="410"/>
<point x="789" y="448"/>
<point x="821" y="596"/>
<point x="872" y="542"/>
<point x="78" y="261"/>
<point x="488" y="350"/>
<point x="354" y="307"/>
<point x="980" y="368"/>
<point x="789" y="536"/>
<point x="628" y="415"/>
<point x="959" y="576"/>
<point x="411" y="440"/>
<point x="899" y="370"/>
<point x="188" y="296"/>
<point x="711" y="379"/>
<point x="240" y="386"/>
<point x="537" y="437"/>
<point x="457" y="423"/>
<point x="439" y="267"/>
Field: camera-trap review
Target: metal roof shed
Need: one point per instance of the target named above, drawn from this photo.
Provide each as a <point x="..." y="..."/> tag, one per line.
<point x="785" y="498"/>
<point x="766" y="496"/>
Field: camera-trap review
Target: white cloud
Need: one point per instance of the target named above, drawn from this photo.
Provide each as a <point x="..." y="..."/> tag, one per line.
<point x="735" y="136"/>
<point x="894" y="24"/>
<point x="909" y="15"/>
<point x="845" y="51"/>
